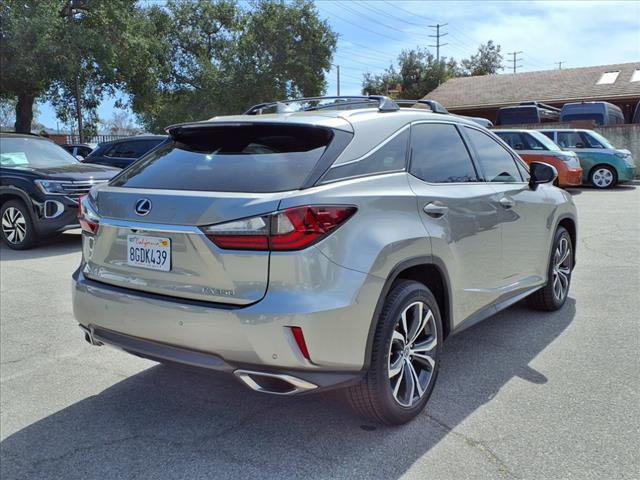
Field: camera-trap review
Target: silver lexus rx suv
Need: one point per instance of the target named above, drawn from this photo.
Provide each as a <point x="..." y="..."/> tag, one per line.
<point x="332" y="243"/>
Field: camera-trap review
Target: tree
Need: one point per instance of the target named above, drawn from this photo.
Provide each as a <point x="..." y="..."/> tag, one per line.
<point x="31" y="54"/>
<point x="8" y="115"/>
<point x="380" y="84"/>
<point x="50" y="50"/>
<point x="223" y="58"/>
<point x="121" y="124"/>
<point x="419" y="73"/>
<point x="487" y="61"/>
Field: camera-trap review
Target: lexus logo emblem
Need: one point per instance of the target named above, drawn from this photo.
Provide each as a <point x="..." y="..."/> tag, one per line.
<point x="143" y="206"/>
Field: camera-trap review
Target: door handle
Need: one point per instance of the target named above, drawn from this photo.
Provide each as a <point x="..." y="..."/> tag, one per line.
<point x="507" y="202"/>
<point x="435" y="209"/>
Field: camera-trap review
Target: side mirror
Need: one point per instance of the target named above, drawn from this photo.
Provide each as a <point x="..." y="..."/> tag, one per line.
<point x="541" y="173"/>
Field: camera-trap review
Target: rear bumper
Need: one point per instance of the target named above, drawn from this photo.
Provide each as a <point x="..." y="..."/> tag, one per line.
<point x="335" y="318"/>
<point x="276" y="381"/>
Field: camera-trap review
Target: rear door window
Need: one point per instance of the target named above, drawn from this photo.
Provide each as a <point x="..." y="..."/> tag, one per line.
<point x="577" y="140"/>
<point x="513" y="139"/>
<point x="132" y="149"/>
<point x="256" y="158"/>
<point x="496" y="162"/>
<point x="438" y="155"/>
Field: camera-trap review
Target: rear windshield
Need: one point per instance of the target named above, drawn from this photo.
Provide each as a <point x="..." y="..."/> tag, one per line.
<point x="234" y="158"/>
<point x="596" y="117"/>
<point x="513" y="116"/>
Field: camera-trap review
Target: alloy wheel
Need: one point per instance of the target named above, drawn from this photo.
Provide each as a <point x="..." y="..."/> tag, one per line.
<point x="561" y="269"/>
<point x="14" y="225"/>
<point x="603" y="177"/>
<point x="412" y="354"/>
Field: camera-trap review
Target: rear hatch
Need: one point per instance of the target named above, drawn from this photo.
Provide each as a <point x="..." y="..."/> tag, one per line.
<point x="208" y="175"/>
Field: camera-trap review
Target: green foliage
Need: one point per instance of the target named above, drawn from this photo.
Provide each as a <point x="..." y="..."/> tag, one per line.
<point x="420" y="72"/>
<point x="223" y="58"/>
<point x="49" y="50"/>
<point x="487" y="61"/>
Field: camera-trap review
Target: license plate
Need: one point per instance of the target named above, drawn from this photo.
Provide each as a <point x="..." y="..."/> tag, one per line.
<point x="149" y="252"/>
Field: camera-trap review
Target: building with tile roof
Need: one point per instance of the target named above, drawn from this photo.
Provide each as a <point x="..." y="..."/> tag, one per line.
<point x="481" y="96"/>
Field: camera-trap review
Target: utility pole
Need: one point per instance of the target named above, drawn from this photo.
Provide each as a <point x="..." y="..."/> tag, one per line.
<point x="437" y="37"/>
<point x="560" y="64"/>
<point x="515" y="60"/>
<point x="338" y="75"/>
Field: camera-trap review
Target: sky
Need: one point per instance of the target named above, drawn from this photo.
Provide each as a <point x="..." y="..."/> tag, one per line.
<point x="373" y="32"/>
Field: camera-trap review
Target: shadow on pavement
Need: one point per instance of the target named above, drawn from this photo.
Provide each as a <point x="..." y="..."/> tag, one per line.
<point x="63" y="244"/>
<point x="169" y="423"/>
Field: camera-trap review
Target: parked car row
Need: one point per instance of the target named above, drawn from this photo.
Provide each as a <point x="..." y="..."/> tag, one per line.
<point x="580" y="156"/>
<point x="602" y="113"/>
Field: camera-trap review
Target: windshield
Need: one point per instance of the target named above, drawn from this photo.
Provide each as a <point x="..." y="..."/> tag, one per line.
<point x="33" y="152"/>
<point x="599" y="138"/>
<point x="546" y="141"/>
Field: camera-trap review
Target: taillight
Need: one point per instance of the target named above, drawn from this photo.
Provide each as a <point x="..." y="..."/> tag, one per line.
<point x="291" y="229"/>
<point x="87" y="216"/>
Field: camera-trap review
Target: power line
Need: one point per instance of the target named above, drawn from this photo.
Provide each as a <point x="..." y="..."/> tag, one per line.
<point x="559" y="64"/>
<point x="437" y="37"/>
<point x="515" y="60"/>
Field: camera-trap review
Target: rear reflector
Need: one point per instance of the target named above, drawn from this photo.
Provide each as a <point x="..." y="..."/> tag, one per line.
<point x="291" y="229"/>
<point x="302" y="345"/>
<point x="87" y="216"/>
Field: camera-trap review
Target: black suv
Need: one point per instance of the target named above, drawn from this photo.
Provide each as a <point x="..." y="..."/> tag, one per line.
<point x="123" y="152"/>
<point x="40" y="184"/>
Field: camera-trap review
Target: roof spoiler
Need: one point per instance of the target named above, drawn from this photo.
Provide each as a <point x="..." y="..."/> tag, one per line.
<point x="384" y="103"/>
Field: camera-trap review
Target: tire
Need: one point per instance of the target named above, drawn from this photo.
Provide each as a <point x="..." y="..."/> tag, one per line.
<point x="560" y="267"/>
<point x="374" y="397"/>
<point x="603" y="176"/>
<point x="17" y="228"/>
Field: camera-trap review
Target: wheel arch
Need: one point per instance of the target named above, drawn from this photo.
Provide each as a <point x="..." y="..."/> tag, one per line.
<point x="569" y="224"/>
<point x="432" y="273"/>
<point x="10" y="193"/>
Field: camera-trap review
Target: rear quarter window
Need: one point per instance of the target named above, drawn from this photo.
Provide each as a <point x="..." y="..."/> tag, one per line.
<point x="253" y="158"/>
<point x="390" y="156"/>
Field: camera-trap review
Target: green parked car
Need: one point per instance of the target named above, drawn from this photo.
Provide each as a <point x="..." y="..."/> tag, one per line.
<point x="603" y="165"/>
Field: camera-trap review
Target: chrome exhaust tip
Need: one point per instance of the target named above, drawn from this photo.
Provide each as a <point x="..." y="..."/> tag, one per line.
<point x="89" y="337"/>
<point x="274" y="383"/>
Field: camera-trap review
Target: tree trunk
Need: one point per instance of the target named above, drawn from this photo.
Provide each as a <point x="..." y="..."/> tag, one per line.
<point x="24" y="112"/>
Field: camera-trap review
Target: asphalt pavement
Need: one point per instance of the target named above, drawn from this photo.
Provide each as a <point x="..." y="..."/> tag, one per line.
<point x="524" y="394"/>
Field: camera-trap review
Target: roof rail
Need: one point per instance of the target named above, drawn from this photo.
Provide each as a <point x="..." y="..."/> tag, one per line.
<point x="436" y="107"/>
<point x="384" y="103"/>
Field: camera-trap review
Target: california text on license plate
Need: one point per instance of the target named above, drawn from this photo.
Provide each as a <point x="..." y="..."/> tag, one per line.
<point x="149" y="252"/>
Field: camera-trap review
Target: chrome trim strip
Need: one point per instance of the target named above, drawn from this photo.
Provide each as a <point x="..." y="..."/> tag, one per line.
<point x="151" y="227"/>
